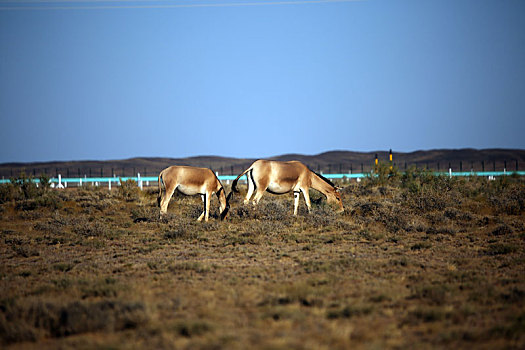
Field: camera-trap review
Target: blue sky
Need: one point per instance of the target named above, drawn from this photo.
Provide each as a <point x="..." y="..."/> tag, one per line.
<point x="122" y="79"/>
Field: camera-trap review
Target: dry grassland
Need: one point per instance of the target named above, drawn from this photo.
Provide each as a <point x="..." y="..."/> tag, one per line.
<point x="414" y="262"/>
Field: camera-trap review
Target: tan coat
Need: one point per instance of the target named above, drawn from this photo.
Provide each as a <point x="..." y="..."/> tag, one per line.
<point x="191" y="181"/>
<point x="283" y="177"/>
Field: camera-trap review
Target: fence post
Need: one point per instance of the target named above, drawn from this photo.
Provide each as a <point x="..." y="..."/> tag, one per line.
<point x="483" y="165"/>
<point x="60" y="181"/>
<point x="460" y="166"/>
<point x="109" y="184"/>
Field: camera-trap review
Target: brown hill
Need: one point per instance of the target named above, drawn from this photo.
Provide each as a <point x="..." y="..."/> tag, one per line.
<point x="328" y="162"/>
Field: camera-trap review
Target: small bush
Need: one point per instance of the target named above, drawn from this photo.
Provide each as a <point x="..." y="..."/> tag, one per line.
<point x="382" y="174"/>
<point x="144" y="214"/>
<point x="421" y="245"/>
<point x="502" y="230"/>
<point x="26" y="186"/>
<point x="428" y="314"/>
<point x="501" y="249"/>
<point x="432" y="293"/>
<point x="105" y="287"/>
<point x="28" y="195"/>
<point x="510" y="201"/>
<point x="88" y="228"/>
<point x="350" y="311"/>
<point x="30" y="321"/>
<point x="189" y="266"/>
<point x="8" y="192"/>
<point x="128" y="190"/>
<point x="192" y="328"/>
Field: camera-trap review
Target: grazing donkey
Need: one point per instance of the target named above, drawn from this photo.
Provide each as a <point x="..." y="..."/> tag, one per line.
<point x="283" y="177"/>
<point x="191" y="181"/>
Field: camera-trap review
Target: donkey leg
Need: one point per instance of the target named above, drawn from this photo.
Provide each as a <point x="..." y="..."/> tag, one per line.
<point x="251" y="187"/>
<point x="258" y="196"/>
<point x="165" y="200"/>
<point x="262" y="185"/>
<point x="207" y="206"/>
<point x="203" y="197"/>
<point x="295" y="202"/>
<point x="306" y="196"/>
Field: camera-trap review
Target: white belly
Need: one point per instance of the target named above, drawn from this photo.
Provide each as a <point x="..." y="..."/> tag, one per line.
<point x="189" y="190"/>
<point x="277" y="188"/>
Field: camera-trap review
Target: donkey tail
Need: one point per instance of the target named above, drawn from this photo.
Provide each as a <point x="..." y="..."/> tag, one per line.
<point x="234" y="184"/>
<point x="161" y="185"/>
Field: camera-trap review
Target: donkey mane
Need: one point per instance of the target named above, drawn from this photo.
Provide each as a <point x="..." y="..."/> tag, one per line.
<point x="324" y="179"/>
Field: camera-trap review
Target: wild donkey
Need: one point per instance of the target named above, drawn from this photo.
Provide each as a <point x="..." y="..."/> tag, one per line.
<point x="191" y="181"/>
<point x="283" y="177"/>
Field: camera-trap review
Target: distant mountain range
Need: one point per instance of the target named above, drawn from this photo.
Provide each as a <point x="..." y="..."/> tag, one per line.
<point x="327" y="162"/>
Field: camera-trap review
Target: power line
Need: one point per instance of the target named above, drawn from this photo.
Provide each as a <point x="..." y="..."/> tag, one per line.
<point x="158" y="6"/>
<point x="82" y="1"/>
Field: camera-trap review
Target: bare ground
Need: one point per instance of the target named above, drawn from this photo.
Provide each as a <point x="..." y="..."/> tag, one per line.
<point x="413" y="263"/>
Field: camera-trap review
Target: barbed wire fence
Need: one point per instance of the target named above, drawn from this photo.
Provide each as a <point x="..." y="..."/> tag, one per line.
<point x="326" y="168"/>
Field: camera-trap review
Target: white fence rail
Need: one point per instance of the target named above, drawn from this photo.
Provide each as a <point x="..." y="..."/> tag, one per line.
<point x="60" y="182"/>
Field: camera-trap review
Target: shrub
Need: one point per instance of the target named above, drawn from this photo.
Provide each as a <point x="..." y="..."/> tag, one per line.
<point x="30" y="321"/>
<point x="190" y="329"/>
<point x="414" y="179"/>
<point x="28" y="195"/>
<point x="144" y="214"/>
<point x="510" y="200"/>
<point x="26" y="186"/>
<point x="88" y="228"/>
<point x="382" y="174"/>
<point x="44" y="183"/>
<point x="7" y="192"/>
<point x="128" y="190"/>
<point x="350" y="311"/>
<point x="501" y="249"/>
<point x="46" y="200"/>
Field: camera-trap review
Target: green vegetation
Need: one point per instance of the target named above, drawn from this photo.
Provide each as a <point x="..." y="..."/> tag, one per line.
<point x="416" y="261"/>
